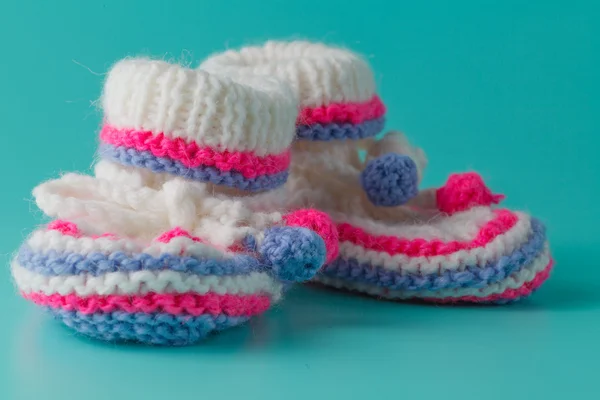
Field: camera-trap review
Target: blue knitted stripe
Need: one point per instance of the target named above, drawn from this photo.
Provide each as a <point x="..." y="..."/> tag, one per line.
<point x="156" y="329"/>
<point x="335" y="131"/>
<point x="52" y="262"/>
<point x="475" y="276"/>
<point x="145" y="159"/>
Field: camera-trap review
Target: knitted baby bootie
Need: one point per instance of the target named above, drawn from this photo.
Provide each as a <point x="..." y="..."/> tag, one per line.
<point x="143" y="281"/>
<point x="461" y="250"/>
<point x="444" y="245"/>
<point x="148" y="249"/>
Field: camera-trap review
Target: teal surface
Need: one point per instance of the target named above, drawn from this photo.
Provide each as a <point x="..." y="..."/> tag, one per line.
<point x="503" y="87"/>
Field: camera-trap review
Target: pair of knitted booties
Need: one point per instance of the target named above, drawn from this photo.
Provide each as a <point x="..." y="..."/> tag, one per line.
<point x="219" y="187"/>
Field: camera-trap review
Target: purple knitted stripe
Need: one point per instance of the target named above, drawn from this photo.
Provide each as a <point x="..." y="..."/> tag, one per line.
<point x="473" y="276"/>
<point x="336" y="131"/>
<point x="156" y="328"/>
<point x="145" y="159"/>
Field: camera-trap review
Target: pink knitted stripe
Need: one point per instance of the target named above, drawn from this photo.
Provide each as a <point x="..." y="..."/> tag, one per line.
<point x="71" y="229"/>
<point x="177" y="232"/>
<point x="353" y="113"/>
<point x="508" y="294"/>
<point x="502" y="223"/>
<point x="191" y="155"/>
<point x="176" y="304"/>
<point x="65" y="227"/>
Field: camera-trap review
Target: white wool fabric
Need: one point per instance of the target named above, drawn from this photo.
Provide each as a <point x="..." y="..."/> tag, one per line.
<point x="318" y="73"/>
<point x="237" y="113"/>
<point x="324" y="170"/>
<point x="144" y="212"/>
<point x="326" y="175"/>
<point x="144" y="282"/>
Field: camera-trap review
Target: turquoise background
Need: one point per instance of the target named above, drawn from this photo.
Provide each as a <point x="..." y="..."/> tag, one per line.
<point x="503" y="87"/>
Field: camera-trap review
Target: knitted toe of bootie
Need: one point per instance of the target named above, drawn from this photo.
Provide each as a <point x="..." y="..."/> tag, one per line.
<point x="480" y="255"/>
<point x="139" y="282"/>
<point x="172" y="291"/>
<point x="454" y="247"/>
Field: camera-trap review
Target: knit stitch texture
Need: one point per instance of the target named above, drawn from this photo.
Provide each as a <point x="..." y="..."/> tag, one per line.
<point x="118" y="249"/>
<point x="442" y="244"/>
<point x="154" y="248"/>
<point x="98" y="284"/>
<point x="390" y="180"/>
<point x="336" y="87"/>
<point x="232" y="131"/>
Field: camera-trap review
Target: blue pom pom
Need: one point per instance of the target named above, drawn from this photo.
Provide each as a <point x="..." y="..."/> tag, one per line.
<point x="390" y="180"/>
<point x="293" y="253"/>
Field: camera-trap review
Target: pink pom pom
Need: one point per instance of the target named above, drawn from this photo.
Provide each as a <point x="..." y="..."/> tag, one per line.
<point x="464" y="191"/>
<point x="320" y="223"/>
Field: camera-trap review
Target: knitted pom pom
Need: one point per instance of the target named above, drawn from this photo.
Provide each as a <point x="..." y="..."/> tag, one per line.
<point x="320" y="223"/>
<point x="390" y="180"/>
<point x="464" y="191"/>
<point x="292" y="253"/>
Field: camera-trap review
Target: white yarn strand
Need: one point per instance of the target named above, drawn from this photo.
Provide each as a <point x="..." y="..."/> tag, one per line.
<point x="143" y="282"/>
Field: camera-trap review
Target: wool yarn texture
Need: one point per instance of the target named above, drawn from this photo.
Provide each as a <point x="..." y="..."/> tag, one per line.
<point x="445" y="245"/>
<point x="147" y="251"/>
<point x="200" y="126"/>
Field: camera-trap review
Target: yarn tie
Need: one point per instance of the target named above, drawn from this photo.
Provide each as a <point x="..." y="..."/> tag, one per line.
<point x="133" y="211"/>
